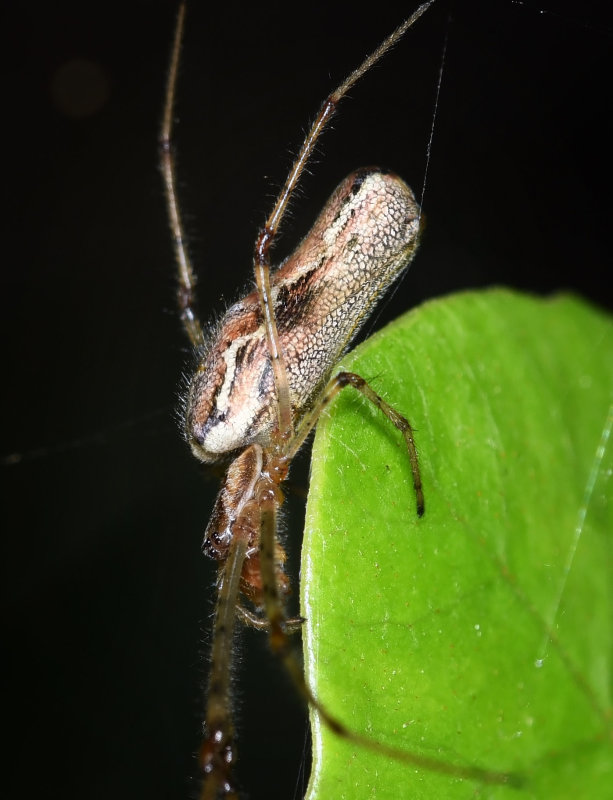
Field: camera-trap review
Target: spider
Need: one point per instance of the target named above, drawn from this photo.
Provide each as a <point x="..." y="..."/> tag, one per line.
<point x="261" y="382"/>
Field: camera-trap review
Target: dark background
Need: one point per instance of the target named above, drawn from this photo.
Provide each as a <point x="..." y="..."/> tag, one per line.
<point x="105" y="596"/>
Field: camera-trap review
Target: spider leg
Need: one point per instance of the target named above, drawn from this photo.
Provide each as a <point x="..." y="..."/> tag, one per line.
<point x="186" y="278"/>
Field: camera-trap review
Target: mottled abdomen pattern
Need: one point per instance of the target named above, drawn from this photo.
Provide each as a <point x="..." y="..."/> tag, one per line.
<point x="361" y="242"/>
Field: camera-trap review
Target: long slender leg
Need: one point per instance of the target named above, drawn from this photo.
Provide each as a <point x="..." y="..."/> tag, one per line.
<point x="285" y="425"/>
<point x="324" y="116"/>
<point x="273" y="604"/>
<point x="185" y="273"/>
<point x="335" y="385"/>
<point x="264" y="242"/>
<point x="216" y="754"/>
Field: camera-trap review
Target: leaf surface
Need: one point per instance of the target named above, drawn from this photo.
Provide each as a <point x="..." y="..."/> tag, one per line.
<point x="480" y="634"/>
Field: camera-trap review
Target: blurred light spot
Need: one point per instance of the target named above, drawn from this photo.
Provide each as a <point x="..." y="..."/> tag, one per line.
<point x="79" y="88"/>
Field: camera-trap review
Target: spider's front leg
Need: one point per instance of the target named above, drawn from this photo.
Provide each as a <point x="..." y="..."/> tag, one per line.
<point x="232" y="534"/>
<point x="217" y="751"/>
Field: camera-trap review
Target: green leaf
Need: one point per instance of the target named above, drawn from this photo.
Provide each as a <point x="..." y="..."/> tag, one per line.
<point x="480" y="634"/>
